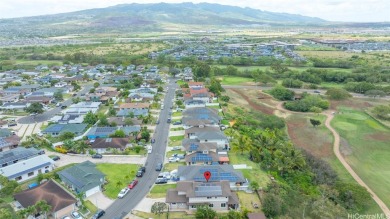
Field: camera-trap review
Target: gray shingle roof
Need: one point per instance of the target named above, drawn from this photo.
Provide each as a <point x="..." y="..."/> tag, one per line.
<point x="218" y="172"/>
<point x="83" y="176"/>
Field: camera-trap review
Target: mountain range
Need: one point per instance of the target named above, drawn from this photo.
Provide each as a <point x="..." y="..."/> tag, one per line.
<point x="149" y="17"/>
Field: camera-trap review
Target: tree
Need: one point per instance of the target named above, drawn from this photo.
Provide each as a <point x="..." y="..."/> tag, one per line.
<point x="272" y="205"/>
<point x="315" y="122"/>
<point x="76" y="100"/>
<point x="118" y="134"/>
<point x="254" y="185"/>
<point x="382" y="112"/>
<point x="282" y="93"/>
<point x="35" y="108"/>
<point x="315" y="109"/>
<point x="231" y="70"/>
<point x="375" y="93"/>
<point x="131" y="114"/>
<point x="43" y="207"/>
<point x="225" y="98"/>
<point x="90" y="118"/>
<point x="103" y="120"/>
<point x="158" y="208"/>
<point x="81" y="147"/>
<point x="92" y="90"/>
<point x="129" y="121"/>
<point x="5" y="213"/>
<point x="242" y="143"/>
<point x="202" y="70"/>
<point x="234" y="215"/>
<point x="160" y="89"/>
<point x="338" y="94"/>
<point x="145" y="135"/>
<point x="76" y="87"/>
<point x="58" y="95"/>
<point x="96" y="84"/>
<point x="205" y="212"/>
<point x="80" y="197"/>
<point x="21" y="96"/>
<point x="67" y="136"/>
<point x="112" y="111"/>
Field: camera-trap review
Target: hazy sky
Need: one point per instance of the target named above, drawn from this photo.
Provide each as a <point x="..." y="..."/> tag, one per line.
<point x="332" y="10"/>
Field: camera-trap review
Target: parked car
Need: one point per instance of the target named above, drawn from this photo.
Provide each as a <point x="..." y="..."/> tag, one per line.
<point x="157" y="122"/>
<point x="169" y="120"/>
<point x="159" y="167"/>
<point x="98" y="214"/>
<point x="76" y="215"/>
<point x="132" y="184"/>
<point x="177" y="123"/>
<point x="173" y="159"/>
<point x="12" y="124"/>
<point x="317" y="91"/>
<point x="55" y="158"/>
<point x="150" y="149"/>
<point x="176" y="148"/>
<point x="181" y="156"/>
<point x="161" y="181"/>
<point x="153" y="140"/>
<point x="63" y="107"/>
<point x="139" y="173"/>
<point x="97" y="156"/>
<point x="143" y="169"/>
<point x="66" y="217"/>
<point x="123" y="192"/>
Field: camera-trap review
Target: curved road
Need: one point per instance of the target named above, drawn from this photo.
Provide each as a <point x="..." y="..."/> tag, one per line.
<point x="121" y="207"/>
<point x="50" y="113"/>
<point x="336" y="150"/>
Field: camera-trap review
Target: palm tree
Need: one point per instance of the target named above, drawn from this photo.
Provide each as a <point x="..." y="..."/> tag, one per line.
<point x="231" y="133"/>
<point x="43" y="207"/>
<point x="80" y="196"/>
<point x="69" y="144"/>
<point x="81" y="147"/>
<point x="242" y="143"/>
<point x="119" y="184"/>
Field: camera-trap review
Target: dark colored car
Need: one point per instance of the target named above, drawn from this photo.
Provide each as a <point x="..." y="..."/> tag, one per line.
<point x="12" y="124"/>
<point x="55" y="158"/>
<point x="98" y="214"/>
<point x="153" y="140"/>
<point x="143" y="169"/>
<point x="161" y="181"/>
<point x="159" y="167"/>
<point x="317" y="91"/>
<point x="158" y="122"/>
<point x="177" y="123"/>
<point x="169" y="120"/>
<point x="97" y="156"/>
<point x="63" y="107"/>
<point x="140" y="173"/>
<point x="133" y="184"/>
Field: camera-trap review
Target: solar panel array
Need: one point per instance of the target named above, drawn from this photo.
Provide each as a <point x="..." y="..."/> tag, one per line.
<point x="55" y="128"/>
<point x="104" y="130"/>
<point x="215" y="175"/>
<point x="201" y="158"/>
<point x="194" y="147"/>
<point x="208" y="189"/>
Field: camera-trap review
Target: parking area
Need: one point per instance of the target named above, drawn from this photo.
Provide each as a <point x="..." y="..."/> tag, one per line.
<point x="100" y="201"/>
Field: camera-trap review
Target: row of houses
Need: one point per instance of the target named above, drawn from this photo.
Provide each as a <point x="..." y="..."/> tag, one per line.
<point x="206" y="149"/>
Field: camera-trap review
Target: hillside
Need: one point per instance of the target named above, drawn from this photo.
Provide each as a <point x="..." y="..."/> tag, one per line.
<point x="147" y="17"/>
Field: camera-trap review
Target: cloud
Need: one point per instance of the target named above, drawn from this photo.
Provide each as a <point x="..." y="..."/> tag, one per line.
<point x="332" y="10"/>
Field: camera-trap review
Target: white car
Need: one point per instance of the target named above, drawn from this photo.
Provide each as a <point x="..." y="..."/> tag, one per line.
<point x="123" y="192"/>
<point x="149" y="149"/>
<point x="76" y="215"/>
<point x="173" y="159"/>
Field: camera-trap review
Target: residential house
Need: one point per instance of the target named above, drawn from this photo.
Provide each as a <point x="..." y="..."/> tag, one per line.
<point x="105" y="132"/>
<point x="191" y="132"/>
<point x="62" y="202"/>
<point x="83" y="177"/>
<point x="29" y="168"/>
<point x="194" y="103"/>
<point x="68" y="119"/>
<point x="200" y="154"/>
<point x="143" y="90"/>
<point x="8" y="143"/>
<point x="137" y="109"/>
<point x="83" y="108"/>
<point x="141" y="97"/>
<point x="105" y="145"/>
<point x="193" y="84"/>
<point x="120" y="121"/>
<point x="103" y="94"/>
<point x="49" y="92"/>
<point x="19" y="154"/>
<point x="212" y="136"/>
<point x="58" y="129"/>
<point x="38" y="99"/>
<point x="218" y="173"/>
<point x="19" y="106"/>
<point x="188" y="195"/>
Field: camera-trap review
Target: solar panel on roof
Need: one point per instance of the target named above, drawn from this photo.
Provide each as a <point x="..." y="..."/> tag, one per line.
<point x="208" y="189"/>
<point x="194" y="147"/>
<point x="201" y="158"/>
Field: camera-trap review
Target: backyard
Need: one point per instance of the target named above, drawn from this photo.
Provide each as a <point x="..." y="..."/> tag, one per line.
<point x="117" y="176"/>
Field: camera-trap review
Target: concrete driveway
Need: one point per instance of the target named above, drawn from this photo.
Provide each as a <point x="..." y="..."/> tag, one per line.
<point x="100" y="201"/>
<point x="66" y="159"/>
<point x="146" y="204"/>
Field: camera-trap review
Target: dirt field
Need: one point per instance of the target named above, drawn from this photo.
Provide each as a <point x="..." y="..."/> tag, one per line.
<point x="249" y="97"/>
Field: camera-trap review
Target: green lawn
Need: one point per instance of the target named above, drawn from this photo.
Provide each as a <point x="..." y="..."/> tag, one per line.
<point x="172" y="215"/>
<point x="115" y="173"/>
<point x="233" y="80"/>
<point x="159" y="191"/>
<point x="176" y="138"/>
<point x="176" y="114"/>
<point x="254" y="174"/>
<point x="369" y="143"/>
<point x="168" y="167"/>
<point x="246" y="200"/>
<point x="91" y="207"/>
<point x="177" y="129"/>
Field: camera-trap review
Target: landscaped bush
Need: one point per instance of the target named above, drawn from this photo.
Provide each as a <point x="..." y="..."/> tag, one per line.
<point x="306" y="103"/>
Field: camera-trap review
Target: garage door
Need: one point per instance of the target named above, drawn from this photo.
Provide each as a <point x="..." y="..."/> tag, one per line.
<point x="92" y="191"/>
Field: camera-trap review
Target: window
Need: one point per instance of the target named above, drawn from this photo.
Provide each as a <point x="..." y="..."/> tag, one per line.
<point x="173" y="203"/>
<point x="46" y="167"/>
<point x="208" y="197"/>
<point x="30" y="174"/>
<point x="193" y="206"/>
<point x="18" y="178"/>
<point x="223" y="205"/>
<point x="211" y="205"/>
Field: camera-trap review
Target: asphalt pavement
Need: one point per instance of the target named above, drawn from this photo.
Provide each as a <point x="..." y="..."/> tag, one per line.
<point x="50" y="113"/>
<point x="121" y="207"/>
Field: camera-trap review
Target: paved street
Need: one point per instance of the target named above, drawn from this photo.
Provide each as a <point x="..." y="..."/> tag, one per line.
<point x="50" y="113"/>
<point x="121" y="207"/>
